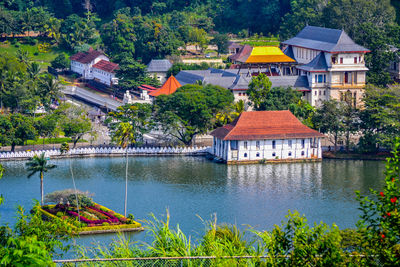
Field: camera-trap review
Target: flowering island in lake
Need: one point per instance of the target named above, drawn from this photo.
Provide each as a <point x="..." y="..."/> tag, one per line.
<point x="86" y="216"/>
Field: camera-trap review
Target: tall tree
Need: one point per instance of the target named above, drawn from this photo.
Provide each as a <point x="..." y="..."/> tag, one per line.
<point x="191" y="110"/>
<point x="124" y="136"/>
<point x="39" y="164"/>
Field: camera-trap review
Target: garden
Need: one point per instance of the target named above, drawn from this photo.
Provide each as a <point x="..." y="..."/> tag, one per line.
<point x="84" y="215"/>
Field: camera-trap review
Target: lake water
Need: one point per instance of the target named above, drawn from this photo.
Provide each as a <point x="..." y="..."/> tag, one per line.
<point x="193" y="187"/>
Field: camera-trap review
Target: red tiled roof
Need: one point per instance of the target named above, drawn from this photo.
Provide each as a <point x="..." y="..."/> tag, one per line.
<point x="106" y="66"/>
<point x="148" y="87"/>
<point x="244" y="52"/>
<point x="87" y="57"/>
<point x="168" y="88"/>
<point x="257" y="125"/>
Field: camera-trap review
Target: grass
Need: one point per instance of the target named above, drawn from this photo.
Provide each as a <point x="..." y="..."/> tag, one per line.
<point x="58" y="140"/>
<point x="261" y="43"/>
<point x="43" y="59"/>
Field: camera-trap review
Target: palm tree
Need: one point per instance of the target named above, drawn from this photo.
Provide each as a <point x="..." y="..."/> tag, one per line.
<point x="123" y="136"/>
<point x="39" y="164"/>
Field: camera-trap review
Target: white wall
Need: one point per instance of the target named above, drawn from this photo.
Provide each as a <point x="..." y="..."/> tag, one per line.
<point x="103" y="76"/>
<point x="86" y="70"/>
<point x="161" y="76"/>
<point x="265" y="150"/>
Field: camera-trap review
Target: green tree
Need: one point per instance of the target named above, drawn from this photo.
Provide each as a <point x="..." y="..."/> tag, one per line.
<point x="75" y="122"/>
<point x="221" y="41"/>
<point x="61" y="62"/>
<point x="138" y="115"/>
<point x="39" y="164"/>
<point x="350" y="14"/>
<point x="133" y="74"/>
<point x="16" y="129"/>
<point x="259" y="88"/>
<point x="49" y="89"/>
<point x="302" y="13"/>
<point x="124" y="136"/>
<point x="191" y="110"/>
<point x="328" y="119"/>
<point x="380" y="117"/>
<point x="46" y="126"/>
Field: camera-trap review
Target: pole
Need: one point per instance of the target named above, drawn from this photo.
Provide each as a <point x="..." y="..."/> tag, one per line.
<point x="126" y="180"/>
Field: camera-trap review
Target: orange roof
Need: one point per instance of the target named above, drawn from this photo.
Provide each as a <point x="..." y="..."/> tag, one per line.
<point x="258" y="125"/>
<point x="168" y="88"/>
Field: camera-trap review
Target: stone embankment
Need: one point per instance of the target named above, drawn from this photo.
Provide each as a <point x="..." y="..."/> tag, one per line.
<point x="107" y="152"/>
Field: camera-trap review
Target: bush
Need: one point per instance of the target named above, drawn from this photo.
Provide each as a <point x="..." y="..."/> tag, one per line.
<point x="84" y="201"/>
<point x="60" y="214"/>
<point x="17" y="44"/>
<point x="36" y="53"/>
<point x="105" y="224"/>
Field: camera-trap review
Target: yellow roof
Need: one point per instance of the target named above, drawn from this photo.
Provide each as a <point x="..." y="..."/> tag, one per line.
<point x="267" y="54"/>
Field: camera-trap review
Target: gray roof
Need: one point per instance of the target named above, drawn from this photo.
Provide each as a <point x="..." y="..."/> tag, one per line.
<point x="298" y="82"/>
<point x="230" y="79"/>
<point x="289" y="52"/>
<point x="325" y="39"/>
<point x="241" y="82"/>
<point x="317" y="64"/>
<point x="159" y="65"/>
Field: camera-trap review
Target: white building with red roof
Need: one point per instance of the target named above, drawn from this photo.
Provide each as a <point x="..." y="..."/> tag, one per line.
<point x="82" y="62"/>
<point x="266" y="136"/>
<point x="104" y="72"/>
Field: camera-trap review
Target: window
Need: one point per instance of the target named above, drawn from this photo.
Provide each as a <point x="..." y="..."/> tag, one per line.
<point x="245" y="155"/>
<point x="319" y="92"/>
<point x="355" y="60"/>
<point x="334" y="60"/>
<point x="303" y="143"/>
<point x="341" y="60"/>
<point x="245" y="144"/>
<point x="258" y="144"/>
<point x="234" y="145"/>
<point x="302" y="153"/>
<point x="320" y="78"/>
<point x="290" y="154"/>
<point x="240" y="94"/>
<point x="359" y="59"/>
<point x="324" y="92"/>
<point x="324" y="78"/>
<point x="273" y="154"/>
<point x="316" y="78"/>
<point x="290" y="143"/>
<point x="258" y="155"/>
<point x="273" y="144"/>
<point x="315" y="93"/>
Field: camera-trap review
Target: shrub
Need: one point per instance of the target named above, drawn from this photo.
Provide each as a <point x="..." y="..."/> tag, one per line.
<point x="36" y="53"/>
<point x="62" y="195"/>
<point x="105" y="224"/>
<point x="380" y="218"/>
<point x="84" y="201"/>
<point x="59" y="214"/>
<point x="17" y="44"/>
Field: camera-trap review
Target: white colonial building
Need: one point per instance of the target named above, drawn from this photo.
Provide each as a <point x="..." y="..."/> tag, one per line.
<point x="332" y="62"/>
<point x="104" y="72"/>
<point x="82" y="62"/>
<point x="266" y="136"/>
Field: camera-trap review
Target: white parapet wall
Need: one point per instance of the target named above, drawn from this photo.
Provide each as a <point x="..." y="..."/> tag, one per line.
<point x="106" y="151"/>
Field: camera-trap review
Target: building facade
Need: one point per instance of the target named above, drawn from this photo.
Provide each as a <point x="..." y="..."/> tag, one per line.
<point x="83" y="62"/>
<point x="266" y="136"/>
<point x="159" y="69"/>
<point x="332" y="62"/>
<point x="104" y="72"/>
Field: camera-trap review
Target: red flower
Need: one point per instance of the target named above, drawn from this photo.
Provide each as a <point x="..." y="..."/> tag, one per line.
<point x="388" y="214"/>
<point x="393" y="199"/>
<point x="393" y="180"/>
<point x="382" y="194"/>
<point x="383" y="236"/>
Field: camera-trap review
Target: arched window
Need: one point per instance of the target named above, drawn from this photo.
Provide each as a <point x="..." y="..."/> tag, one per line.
<point x="245" y="155"/>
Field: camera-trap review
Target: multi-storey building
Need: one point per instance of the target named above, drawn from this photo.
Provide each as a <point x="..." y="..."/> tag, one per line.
<point x="332" y="62"/>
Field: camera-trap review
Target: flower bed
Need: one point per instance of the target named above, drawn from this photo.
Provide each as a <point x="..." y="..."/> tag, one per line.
<point x="89" y="219"/>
